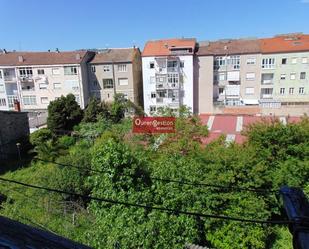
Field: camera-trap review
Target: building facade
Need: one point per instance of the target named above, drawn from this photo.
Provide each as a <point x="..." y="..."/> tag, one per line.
<point x="168" y="74"/>
<point x="36" y="78"/>
<point x="267" y="73"/>
<point x="114" y="71"/>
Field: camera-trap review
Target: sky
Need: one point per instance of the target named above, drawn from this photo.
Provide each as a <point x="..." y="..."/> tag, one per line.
<point x="39" y="25"/>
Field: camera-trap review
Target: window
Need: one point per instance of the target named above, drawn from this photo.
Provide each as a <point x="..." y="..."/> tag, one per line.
<point x="43" y="86"/>
<point x="268" y="63"/>
<point x="291" y="90"/>
<point x="303" y="75"/>
<point x="125" y="95"/>
<point x="234" y="61"/>
<point x="2" y="89"/>
<point x="221" y="90"/>
<point x="249" y="90"/>
<point x="301" y="90"/>
<point x="95" y="82"/>
<point x="2" y="102"/>
<point x="93" y="69"/>
<point x="283" y="76"/>
<point x="282" y="91"/>
<point x="0" y="74"/>
<point x="151" y="65"/>
<point x="220" y="61"/>
<point x="41" y="71"/>
<point x="304" y="60"/>
<point x="152" y="79"/>
<point x="55" y="71"/>
<point x="172" y="78"/>
<point x="122" y="68"/>
<point x="70" y="70"/>
<point x="44" y="100"/>
<point x="251" y="61"/>
<point x="172" y="64"/>
<point x="123" y="81"/>
<point x="293" y="76"/>
<point x="153" y="95"/>
<point x="283" y="61"/>
<point x="152" y="108"/>
<point x="57" y="85"/>
<point x="222" y="76"/>
<point x="25" y="71"/>
<point x="294" y="60"/>
<point x="182" y="64"/>
<point x="106" y="68"/>
<point x="250" y="76"/>
<point x="71" y="85"/>
<point x="108" y="83"/>
<point x="29" y="100"/>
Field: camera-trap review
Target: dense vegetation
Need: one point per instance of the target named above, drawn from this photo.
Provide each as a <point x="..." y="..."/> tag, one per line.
<point x="113" y="163"/>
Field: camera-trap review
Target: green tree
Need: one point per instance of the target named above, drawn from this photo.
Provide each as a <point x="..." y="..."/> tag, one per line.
<point x="63" y="113"/>
<point x="96" y="109"/>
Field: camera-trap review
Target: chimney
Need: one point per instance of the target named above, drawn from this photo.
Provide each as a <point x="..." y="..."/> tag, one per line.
<point x="77" y="56"/>
<point x="20" y="58"/>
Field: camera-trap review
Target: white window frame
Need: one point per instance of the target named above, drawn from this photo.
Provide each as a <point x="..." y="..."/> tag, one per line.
<point x="40" y="71"/>
<point x="58" y="84"/>
<point x="55" y="71"/>
<point x="70" y="70"/>
<point x="121" y="80"/>
<point x="122" y="68"/>
<point x="251" y="61"/>
<point x="43" y="86"/>
<point x="252" y="74"/>
<point x="106" y="68"/>
<point x="268" y="63"/>
<point x="293" y="76"/>
<point x="153" y="95"/>
<point x="304" y="60"/>
<point x="29" y="100"/>
<point x="2" y="88"/>
<point x="44" y="100"/>
<point x="249" y="91"/>
<point x="282" y="91"/>
<point x="291" y="90"/>
<point x="300" y="75"/>
<point x="283" y="76"/>
<point x="294" y="60"/>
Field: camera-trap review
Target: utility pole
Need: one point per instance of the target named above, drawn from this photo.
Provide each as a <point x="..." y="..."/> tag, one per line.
<point x="297" y="208"/>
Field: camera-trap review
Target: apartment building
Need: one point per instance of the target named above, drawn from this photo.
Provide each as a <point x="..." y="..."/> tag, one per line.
<point x="116" y="71"/>
<point x="285" y="69"/>
<point x="229" y="73"/>
<point x="168" y="74"/>
<point x="36" y="78"/>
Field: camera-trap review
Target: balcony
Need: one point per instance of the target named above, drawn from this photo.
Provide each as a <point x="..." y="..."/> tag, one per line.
<point x="27" y="86"/>
<point x="9" y="79"/>
<point x="26" y="79"/>
<point x="266" y="93"/>
<point x="267" y="79"/>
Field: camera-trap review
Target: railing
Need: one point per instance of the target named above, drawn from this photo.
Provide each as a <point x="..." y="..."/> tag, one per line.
<point x="26" y="78"/>
<point x="266" y="96"/>
<point x="267" y="81"/>
<point x="11" y="100"/>
<point x="9" y="78"/>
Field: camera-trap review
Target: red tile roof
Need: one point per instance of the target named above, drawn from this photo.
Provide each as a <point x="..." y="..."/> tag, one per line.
<point x="222" y="124"/>
<point x="163" y="47"/>
<point x="240" y="46"/>
<point x="41" y="58"/>
<point x="285" y="43"/>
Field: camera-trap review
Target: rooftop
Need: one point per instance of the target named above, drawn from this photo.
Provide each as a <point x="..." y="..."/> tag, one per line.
<point x="285" y="43"/>
<point x="164" y="47"/>
<point x="114" y="55"/>
<point x="41" y="58"/>
<point x="222" y="47"/>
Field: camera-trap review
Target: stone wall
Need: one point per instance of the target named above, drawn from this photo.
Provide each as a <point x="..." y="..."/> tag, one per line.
<point x="14" y="128"/>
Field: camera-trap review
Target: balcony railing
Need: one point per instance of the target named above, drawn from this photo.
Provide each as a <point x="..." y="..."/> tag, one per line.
<point x="267" y="81"/>
<point x="9" y="78"/>
<point x="266" y="96"/>
<point x="26" y="78"/>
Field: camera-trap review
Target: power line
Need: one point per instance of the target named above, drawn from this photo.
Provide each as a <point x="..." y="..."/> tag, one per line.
<point x="163" y="209"/>
<point x="167" y="180"/>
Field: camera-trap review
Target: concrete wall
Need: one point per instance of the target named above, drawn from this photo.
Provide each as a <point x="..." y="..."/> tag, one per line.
<point x="113" y="73"/>
<point x="14" y="127"/>
<point x="288" y="69"/>
<point x="203" y="75"/>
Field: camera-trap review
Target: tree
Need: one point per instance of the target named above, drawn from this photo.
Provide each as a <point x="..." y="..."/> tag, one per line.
<point x="96" y="109"/>
<point x="63" y="114"/>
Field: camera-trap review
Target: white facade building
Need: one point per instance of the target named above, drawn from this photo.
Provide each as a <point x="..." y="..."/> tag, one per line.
<point x="168" y="74"/>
